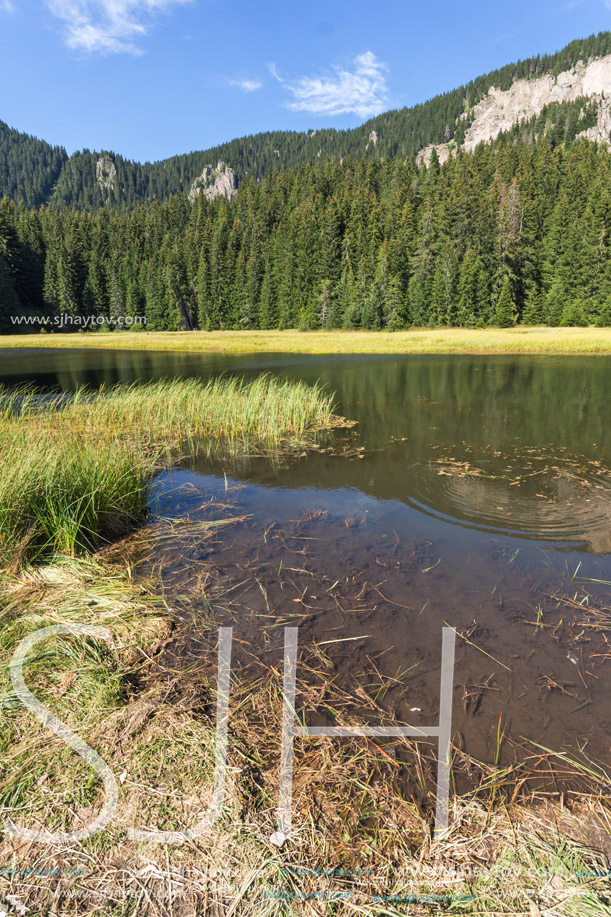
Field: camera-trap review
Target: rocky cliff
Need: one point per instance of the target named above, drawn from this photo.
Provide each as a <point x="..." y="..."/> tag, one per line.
<point x="550" y="96"/>
<point x="219" y="182"/>
<point x="106" y="172"/>
<point x="500" y="110"/>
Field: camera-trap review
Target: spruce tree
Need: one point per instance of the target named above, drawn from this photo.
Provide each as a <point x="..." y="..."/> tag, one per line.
<point x="467" y="290"/>
<point x="505" y="307"/>
<point x="533" y="309"/>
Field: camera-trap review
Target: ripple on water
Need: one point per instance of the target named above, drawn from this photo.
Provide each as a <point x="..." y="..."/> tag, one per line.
<point x="532" y="493"/>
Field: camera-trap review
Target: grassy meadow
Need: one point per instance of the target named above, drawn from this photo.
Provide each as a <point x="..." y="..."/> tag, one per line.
<point x="521" y="339"/>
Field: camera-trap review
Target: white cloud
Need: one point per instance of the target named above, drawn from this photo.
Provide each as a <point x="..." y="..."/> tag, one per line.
<point x="108" y="26"/>
<point x="246" y="85"/>
<point x="7" y="6"/>
<point x="361" y="90"/>
<point x="274" y="71"/>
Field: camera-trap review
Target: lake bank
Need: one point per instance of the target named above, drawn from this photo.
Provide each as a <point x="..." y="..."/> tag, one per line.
<point x="74" y="472"/>
<point x="522" y="339"/>
<point x="324" y="542"/>
<point x="358" y="842"/>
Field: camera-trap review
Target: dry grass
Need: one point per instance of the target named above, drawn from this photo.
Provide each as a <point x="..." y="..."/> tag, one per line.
<point x="522" y="339"/>
<point x="359" y="845"/>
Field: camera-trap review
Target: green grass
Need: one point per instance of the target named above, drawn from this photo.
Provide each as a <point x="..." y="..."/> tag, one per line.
<point x="522" y="339"/>
<point x="222" y="410"/>
<point x="75" y="473"/>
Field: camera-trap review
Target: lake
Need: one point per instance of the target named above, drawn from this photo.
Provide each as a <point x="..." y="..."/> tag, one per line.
<point x="473" y="491"/>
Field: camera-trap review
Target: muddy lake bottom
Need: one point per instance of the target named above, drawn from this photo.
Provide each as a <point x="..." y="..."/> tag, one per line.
<point x="473" y="493"/>
<point x="531" y="663"/>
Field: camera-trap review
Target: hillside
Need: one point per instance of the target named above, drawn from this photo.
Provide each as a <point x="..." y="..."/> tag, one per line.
<point x="29" y="167"/>
<point x="575" y="103"/>
<point x="490" y="205"/>
<point x="33" y="172"/>
<point x="519" y="233"/>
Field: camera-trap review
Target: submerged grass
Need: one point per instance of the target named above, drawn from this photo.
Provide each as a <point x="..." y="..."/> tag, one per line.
<point x="359" y="845"/>
<point x="521" y="339"/>
<point x="74" y="472"/>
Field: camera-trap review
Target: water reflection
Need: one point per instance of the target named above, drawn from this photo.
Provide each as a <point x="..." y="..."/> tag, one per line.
<point x="509" y="445"/>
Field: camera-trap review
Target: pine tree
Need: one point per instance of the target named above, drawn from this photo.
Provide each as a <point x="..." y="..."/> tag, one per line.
<point x="533" y="309"/>
<point x="573" y="315"/>
<point x="9" y="303"/>
<point x="267" y="308"/>
<point x="603" y="317"/>
<point x="467" y="290"/>
<point x="505" y="307"/>
<point x="335" y="244"/>
<point x="352" y="300"/>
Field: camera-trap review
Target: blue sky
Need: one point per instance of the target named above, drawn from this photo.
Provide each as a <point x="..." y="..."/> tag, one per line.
<point x="151" y="78"/>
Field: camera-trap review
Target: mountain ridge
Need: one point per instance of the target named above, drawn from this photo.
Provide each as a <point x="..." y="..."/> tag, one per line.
<point x="35" y="173"/>
<point x="500" y="110"/>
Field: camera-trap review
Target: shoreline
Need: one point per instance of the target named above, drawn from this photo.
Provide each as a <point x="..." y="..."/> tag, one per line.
<point x="363" y="840"/>
<point x="520" y="339"/>
<point x="359" y="842"/>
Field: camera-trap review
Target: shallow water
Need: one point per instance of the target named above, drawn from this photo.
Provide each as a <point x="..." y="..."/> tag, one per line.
<point x="474" y="491"/>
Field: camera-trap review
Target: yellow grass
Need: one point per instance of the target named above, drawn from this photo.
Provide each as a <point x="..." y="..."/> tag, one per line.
<point x="523" y="339"/>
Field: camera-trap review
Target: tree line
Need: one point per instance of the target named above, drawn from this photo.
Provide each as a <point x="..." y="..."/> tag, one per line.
<point x="512" y="232"/>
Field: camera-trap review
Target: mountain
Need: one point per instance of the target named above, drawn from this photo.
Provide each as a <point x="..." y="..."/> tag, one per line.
<point x="490" y="205"/>
<point x="574" y="103"/>
<point x="559" y="96"/>
<point x="29" y="168"/>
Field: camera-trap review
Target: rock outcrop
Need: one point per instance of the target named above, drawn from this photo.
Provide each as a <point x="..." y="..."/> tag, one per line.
<point x="215" y="182"/>
<point x="500" y="110"/>
<point x="106" y="172"/>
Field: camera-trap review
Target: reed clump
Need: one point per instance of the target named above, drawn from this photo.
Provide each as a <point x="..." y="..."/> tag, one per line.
<point x="75" y="472"/>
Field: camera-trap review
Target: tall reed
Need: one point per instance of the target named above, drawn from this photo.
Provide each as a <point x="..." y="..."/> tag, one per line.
<point x="75" y="472"/>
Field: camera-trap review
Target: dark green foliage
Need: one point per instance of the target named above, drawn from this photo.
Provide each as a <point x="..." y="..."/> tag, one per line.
<point x="559" y="123"/>
<point x="29" y="167"/>
<point x="505" y="314"/>
<point x="516" y="232"/>
<point x="533" y="309"/>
